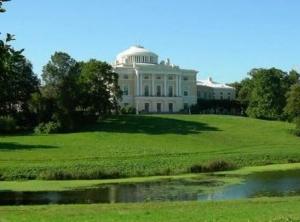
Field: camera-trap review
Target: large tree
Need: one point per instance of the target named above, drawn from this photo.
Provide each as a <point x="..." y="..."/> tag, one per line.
<point x="17" y="80"/>
<point x="100" y="87"/>
<point x="60" y="77"/>
<point x="267" y="98"/>
<point x="292" y="108"/>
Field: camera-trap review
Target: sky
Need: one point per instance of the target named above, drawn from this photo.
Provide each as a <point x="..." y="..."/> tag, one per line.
<point x="221" y="39"/>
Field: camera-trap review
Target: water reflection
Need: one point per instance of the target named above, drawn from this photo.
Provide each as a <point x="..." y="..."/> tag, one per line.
<point x="261" y="184"/>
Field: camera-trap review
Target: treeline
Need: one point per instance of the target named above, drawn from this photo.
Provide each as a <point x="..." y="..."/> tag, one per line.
<point x="69" y="94"/>
<point x="269" y="94"/>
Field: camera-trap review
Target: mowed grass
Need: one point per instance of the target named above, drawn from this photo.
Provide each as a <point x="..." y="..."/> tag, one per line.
<point x="126" y="146"/>
<point x="263" y="210"/>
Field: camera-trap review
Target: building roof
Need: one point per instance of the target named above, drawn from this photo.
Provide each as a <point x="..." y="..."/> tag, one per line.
<point x="210" y="83"/>
<point x="136" y="50"/>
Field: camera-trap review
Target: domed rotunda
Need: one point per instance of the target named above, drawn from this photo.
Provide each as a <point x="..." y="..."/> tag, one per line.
<point x="151" y="86"/>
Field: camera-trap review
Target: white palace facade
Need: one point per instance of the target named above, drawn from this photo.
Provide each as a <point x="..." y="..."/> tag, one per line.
<point x="151" y="86"/>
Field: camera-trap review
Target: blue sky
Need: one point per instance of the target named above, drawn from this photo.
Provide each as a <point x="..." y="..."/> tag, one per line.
<point x="222" y="39"/>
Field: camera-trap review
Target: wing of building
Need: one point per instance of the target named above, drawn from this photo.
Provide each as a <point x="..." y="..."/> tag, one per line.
<point x="211" y="90"/>
<point x="153" y="86"/>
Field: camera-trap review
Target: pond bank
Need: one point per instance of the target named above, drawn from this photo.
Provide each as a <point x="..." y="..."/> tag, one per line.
<point x="61" y="185"/>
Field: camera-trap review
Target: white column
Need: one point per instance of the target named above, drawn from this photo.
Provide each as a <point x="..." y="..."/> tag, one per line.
<point x="153" y="88"/>
<point x="137" y="83"/>
<point x="141" y="85"/>
<point x="165" y="85"/>
<point x="177" y="87"/>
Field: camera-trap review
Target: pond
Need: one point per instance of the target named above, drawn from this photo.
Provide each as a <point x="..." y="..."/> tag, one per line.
<point x="279" y="183"/>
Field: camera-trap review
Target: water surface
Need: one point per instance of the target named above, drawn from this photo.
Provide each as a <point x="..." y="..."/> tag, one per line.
<point x="277" y="183"/>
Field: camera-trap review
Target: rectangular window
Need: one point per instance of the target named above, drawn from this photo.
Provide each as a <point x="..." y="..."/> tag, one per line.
<point x="158" y="90"/>
<point x="186" y="106"/>
<point x="170" y="91"/>
<point x="185" y="93"/>
<point x="125" y="91"/>
<point x="146" y="93"/>
<point x="170" y="107"/>
<point x="147" y="107"/>
<point x="158" y="107"/>
<point x="185" y="78"/>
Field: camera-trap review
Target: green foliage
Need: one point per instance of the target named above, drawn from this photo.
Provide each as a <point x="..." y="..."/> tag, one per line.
<point x="267" y="98"/>
<point x="100" y="90"/>
<point x="213" y="166"/>
<point x="128" y="110"/>
<point x="217" y="107"/>
<point x="292" y="108"/>
<point x="297" y="129"/>
<point x="7" y="124"/>
<point x="47" y="128"/>
<point x="1" y="3"/>
<point x="129" y="145"/>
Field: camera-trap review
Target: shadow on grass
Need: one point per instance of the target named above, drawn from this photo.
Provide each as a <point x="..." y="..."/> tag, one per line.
<point x="17" y="146"/>
<point x="154" y="125"/>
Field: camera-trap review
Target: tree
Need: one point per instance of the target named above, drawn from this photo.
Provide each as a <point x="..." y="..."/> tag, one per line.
<point x="60" y="78"/>
<point x="267" y="98"/>
<point x="1" y="3"/>
<point x="100" y="87"/>
<point x="292" y="108"/>
<point x="17" y="80"/>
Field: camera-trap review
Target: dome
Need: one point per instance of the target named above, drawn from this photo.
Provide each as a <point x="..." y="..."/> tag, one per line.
<point x="137" y="54"/>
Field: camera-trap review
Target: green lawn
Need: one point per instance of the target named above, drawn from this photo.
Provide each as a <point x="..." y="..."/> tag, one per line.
<point x="262" y="210"/>
<point x="147" y="145"/>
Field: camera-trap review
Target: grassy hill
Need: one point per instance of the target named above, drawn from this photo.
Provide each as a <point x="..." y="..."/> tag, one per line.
<point x="147" y="145"/>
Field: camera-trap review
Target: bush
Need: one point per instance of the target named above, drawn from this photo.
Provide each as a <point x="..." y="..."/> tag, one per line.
<point x="297" y="130"/>
<point x="47" y="128"/>
<point x="7" y="124"/>
<point x="128" y="110"/>
<point x="214" y="166"/>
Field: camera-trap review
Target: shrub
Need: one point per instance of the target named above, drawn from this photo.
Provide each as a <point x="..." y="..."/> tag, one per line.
<point x="213" y="166"/>
<point x="128" y="110"/>
<point x="47" y="128"/>
<point x="297" y="130"/>
<point x="7" y="124"/>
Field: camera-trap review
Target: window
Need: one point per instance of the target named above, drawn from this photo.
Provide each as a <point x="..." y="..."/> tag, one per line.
<point x="185" y="93"/>
<point x="147" y="107"/>
<point x="125" y="91"/>
<point x="146" y="77"/>
<point x="158" y="77"/>
<point x="205" y="95"/>
<point x="125" y="76"/>
<point x="146" y="91"/>
<point x="170" y="77"/>
<point x="170" y="107"/>
<point x="229" y="96"/>
<point x="158" y="107"/>
<point x="221" y="95"/>
<point x="158" y="90"/>
<point x="186" y="106"/>
<point x="185" y="78"/>
<point x="170" y="91"/>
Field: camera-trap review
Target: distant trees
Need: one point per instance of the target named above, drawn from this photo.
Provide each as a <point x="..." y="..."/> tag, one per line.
<point x="292" y="108"/>
<point x="264" y="92"/>
<point x="75" y="92"/>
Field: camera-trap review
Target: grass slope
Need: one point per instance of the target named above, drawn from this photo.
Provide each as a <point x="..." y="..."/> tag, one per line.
<point x="263" y="210"/>
<point x="147" y="145"/>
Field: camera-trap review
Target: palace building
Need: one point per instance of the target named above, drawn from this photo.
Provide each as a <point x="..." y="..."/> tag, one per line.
<point x="151" y="86"/>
